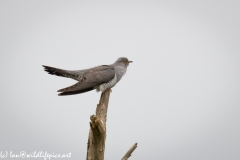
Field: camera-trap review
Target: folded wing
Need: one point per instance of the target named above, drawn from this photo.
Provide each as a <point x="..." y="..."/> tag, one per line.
<point x="91" y="78"/>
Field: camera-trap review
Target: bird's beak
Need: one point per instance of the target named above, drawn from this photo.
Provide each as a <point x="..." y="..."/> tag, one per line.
<point x="130" y="61"/>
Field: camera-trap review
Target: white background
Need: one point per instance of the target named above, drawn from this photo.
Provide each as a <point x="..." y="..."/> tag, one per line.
<point x="179" y="98"/>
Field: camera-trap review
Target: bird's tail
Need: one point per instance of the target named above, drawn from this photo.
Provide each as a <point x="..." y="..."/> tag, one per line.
<point x="60" y="72"/>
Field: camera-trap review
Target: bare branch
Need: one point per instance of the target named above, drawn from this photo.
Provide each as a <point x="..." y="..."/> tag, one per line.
<point x="129" y="152"/>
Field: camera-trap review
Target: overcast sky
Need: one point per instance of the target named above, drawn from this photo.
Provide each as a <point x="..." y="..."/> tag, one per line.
<point x="179" y="99"/>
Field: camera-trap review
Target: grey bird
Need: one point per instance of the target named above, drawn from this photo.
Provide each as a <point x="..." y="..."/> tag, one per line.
<point x="100" y="78"/>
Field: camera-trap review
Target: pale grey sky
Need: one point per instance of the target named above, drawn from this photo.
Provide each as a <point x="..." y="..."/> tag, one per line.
<point x="179" y="99"/>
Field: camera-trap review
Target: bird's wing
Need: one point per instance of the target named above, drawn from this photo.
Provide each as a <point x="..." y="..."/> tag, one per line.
<point x="77" y="75"/>
<point x="91" y="78"/>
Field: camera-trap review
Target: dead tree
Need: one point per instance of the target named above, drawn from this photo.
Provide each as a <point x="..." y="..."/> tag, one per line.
<point x="97" y="132"/>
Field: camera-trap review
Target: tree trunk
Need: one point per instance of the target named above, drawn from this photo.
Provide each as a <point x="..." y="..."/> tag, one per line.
<point x="97" y="132"/>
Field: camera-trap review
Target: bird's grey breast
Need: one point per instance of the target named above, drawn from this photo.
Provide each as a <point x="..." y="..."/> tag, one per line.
<point x="120" y="71"/>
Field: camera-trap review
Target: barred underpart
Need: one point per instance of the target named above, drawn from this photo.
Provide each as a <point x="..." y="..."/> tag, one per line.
<point x="107" y="85"/>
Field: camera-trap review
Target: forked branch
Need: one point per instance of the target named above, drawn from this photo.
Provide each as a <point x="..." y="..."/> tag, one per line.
<point x="97" y="132"/>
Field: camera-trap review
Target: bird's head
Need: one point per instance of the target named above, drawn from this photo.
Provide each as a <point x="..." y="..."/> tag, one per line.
<point x="123" y="61"/>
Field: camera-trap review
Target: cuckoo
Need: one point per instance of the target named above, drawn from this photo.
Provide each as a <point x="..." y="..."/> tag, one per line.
<point x="100" y="78"/>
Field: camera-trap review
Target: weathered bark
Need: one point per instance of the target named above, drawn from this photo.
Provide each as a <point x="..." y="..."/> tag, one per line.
<point x="129" y="152"/>
<point x="97" y="132"/>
